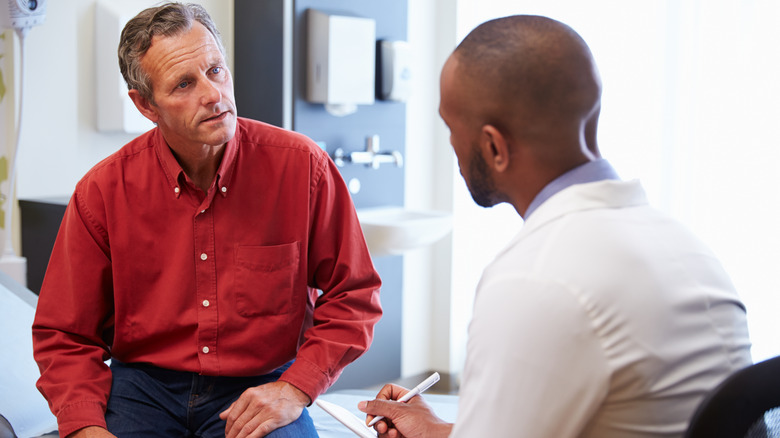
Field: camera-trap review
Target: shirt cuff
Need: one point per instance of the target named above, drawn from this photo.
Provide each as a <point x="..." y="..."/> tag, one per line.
<point x="79" y="415"/>
<point x="307" y="377"/>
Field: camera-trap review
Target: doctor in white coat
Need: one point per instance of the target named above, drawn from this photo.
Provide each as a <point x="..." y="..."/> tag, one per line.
<point x="602" y="317"/>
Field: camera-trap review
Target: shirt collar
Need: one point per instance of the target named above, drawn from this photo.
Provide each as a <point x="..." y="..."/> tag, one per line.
<point x="592" y="171"/>
<point x="175" y="174"/>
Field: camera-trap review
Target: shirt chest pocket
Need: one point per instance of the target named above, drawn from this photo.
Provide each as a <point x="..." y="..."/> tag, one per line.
<point x="265" y="279"/>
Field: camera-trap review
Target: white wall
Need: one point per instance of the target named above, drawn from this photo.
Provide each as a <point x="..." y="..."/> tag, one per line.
<point x="59" y="140"/>
<point x="439" y="281"/>
<point x="429" y="162"/>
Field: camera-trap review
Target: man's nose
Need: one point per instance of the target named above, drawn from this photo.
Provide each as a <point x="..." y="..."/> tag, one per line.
<point x="210" y="94"/>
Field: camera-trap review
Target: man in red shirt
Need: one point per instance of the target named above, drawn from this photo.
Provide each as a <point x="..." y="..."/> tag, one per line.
<point x="194" y="258"/>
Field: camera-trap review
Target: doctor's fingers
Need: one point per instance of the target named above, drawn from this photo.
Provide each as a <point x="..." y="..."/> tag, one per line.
<point x="391" y="392"/>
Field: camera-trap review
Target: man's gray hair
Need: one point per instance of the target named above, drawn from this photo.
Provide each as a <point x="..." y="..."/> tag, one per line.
<point x="165" y="20"/>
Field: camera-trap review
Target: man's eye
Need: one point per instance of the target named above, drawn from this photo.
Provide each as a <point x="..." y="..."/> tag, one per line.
<point x="216" y="70"/>
<point x="182" y="84"/>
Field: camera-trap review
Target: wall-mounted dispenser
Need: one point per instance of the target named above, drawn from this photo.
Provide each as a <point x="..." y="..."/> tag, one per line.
<point x="115" y="110"/>
<point x="21" y="15"/>
<point x="341" y="64"/>
<point x="395" y="63"/>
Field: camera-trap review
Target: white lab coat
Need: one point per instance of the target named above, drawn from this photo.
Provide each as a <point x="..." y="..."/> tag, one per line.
<point x="601" y="318"/>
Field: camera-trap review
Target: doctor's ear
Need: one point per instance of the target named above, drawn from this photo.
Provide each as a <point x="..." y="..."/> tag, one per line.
<point x="143" y="104"/>
<point x="495" y="148"/>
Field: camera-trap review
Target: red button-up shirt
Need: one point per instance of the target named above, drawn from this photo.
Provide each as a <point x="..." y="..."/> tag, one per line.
<point x="148" y="268"/>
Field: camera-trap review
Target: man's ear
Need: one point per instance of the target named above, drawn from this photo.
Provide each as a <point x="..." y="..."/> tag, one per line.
<point x="495" y="148"/>
<point x="144" y="106"/>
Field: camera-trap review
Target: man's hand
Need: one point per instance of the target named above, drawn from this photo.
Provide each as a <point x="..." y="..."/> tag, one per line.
<point x="411" y="419"/>
<point x="91" y="432"/>
<point x="263" y="409"/>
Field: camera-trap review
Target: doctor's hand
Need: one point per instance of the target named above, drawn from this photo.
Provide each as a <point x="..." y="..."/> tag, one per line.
<point x="263" y="409"/>
<point x="410" y="420"/>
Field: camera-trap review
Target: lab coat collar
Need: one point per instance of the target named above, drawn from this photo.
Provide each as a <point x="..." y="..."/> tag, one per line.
<point x="588" y="196"/>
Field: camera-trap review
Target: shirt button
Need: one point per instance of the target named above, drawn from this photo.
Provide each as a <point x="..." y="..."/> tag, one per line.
<point x="176" y="190"/>
<point x="203" y="256"/>
<point x="206" y="350"/>
<point x="206" y="303"/>
<point x="202" y="211"/>
<point x="224" y="189"/>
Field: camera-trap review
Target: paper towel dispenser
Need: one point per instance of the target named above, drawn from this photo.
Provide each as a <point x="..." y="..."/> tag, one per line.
<point x="341" y="67"/>
<point x="115" y="110"/>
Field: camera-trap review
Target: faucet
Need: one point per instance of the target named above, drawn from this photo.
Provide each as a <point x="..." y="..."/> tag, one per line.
<point x="371" y="157"/>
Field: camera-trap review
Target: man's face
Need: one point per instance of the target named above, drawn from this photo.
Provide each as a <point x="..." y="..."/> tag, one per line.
<point x="465" y="134"/>
<point x="193" y="103"/>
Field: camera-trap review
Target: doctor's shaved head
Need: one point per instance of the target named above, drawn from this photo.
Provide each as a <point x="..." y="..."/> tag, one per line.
<point x="533" y="73"/>
<point x="521" y="96"/>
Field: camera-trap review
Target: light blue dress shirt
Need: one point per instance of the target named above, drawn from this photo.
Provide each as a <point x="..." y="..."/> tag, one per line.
<point x="592" y="171"/>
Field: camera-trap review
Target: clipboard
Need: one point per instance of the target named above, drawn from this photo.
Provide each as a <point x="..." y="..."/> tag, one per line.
<point x="347" y="418"/>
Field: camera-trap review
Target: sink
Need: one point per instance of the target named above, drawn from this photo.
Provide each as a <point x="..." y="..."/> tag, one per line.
<point x="395" y="230"/>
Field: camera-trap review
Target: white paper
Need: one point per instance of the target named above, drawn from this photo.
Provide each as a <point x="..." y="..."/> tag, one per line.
<point x="348" y="419"/>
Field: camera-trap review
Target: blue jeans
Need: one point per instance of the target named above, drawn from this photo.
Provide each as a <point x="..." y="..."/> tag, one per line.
<point x="147" y="401"/>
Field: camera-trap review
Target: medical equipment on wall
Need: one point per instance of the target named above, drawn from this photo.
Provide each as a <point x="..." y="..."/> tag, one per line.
<point x="19" y="15"/>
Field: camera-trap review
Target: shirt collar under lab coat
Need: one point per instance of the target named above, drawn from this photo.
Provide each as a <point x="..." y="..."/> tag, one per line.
<point x="592" y="171"/>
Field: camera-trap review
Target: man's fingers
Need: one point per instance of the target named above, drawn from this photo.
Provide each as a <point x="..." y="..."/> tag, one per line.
<point x="255" y="428"/>
<point x="224" y="414"/>
<point x="254" y="423"/>
<point x="263" y="429"/>
<point x="261" y="410"/>
<point x="237" y="418"/>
